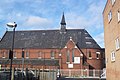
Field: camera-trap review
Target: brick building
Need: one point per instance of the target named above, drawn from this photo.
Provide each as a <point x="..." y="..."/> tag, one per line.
<point x="48" y="49"/>
<point x="111" y="15"/>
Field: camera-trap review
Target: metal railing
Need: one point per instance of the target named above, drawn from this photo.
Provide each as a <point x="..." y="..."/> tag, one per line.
<point x="52" y="74"/>
<point x="77" y="73"/>
<point x="29" y="74"/>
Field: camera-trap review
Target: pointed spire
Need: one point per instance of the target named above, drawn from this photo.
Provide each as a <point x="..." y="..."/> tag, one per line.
<point x="63" y="20"/>
<point x="63" y="24"/>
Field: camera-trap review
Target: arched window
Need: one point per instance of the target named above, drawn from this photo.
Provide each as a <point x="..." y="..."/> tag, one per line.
<point x="73" y="50"/>
<point x="68" y="56"/>
<point x="90" y="55"/>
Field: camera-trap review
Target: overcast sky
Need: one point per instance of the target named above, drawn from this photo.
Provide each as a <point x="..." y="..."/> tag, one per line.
<point x="46" y="14"/>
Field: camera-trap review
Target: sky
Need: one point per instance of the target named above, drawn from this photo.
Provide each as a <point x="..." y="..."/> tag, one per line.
<point x="47" y="14"/>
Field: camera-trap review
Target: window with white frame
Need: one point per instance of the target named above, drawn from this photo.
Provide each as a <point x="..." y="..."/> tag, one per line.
<point x="27" y="54"/>
<point x="112" y="56"/>
<point x="97" y="54"/>
<point x="52" y="54"/>
<point x="68" y="56"/>
<point x="117" y="44"/>
<point x="109" y="16"/>
<point x="40" y="55"/>
<point x="73" y="50"/>
<point x="89" y="55"/>
<point x="15" y="54"/>
<point x="113" y="1"/>
<point x="3" y="56"/>
<point x="118" y="15"/>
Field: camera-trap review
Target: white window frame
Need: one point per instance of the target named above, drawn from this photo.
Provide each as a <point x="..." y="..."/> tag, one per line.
<point x="73" y="54"/>
<point x="113" y="2"/>
<point x="97" y="54"/>
<point x="14" y="54"/>
<point x="52" y="55"/>
<point x="113" y="56"/>
<point x="68" y="56"/>
<point x="3" y="56"/>
<point x="109" y="16"/>
<point x="40" y="55"/>
<point x="118" y="15"/>
<point x="117" y="44"/>
<point x="89" y="54"/>
<point x="27" y="54"/>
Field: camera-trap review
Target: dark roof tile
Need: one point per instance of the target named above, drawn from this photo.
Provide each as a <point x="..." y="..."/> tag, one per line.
<point x="47" y="39"/>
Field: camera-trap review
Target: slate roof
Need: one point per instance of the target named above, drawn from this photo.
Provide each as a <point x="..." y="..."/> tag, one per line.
<point x="48" y="39"/>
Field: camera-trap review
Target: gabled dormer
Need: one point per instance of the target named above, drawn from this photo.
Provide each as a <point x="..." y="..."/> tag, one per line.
<point x="70" y="44"/>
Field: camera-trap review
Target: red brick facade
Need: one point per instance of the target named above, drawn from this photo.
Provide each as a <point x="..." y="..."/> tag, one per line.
<point x="85" y="58"/>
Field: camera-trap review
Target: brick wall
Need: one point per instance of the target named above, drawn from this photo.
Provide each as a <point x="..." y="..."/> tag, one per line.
<point x="63" y="64"/>
<point x="111" y="33"/>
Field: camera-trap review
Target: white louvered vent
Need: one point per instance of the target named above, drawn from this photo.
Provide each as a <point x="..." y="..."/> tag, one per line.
<point x="88" y="42"/>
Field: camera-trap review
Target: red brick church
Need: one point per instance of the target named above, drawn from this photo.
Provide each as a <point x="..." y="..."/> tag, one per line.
<point x="60" y="49"/>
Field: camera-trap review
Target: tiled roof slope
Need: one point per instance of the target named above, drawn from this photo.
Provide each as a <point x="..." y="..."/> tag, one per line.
<point x="48" y="39"/>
